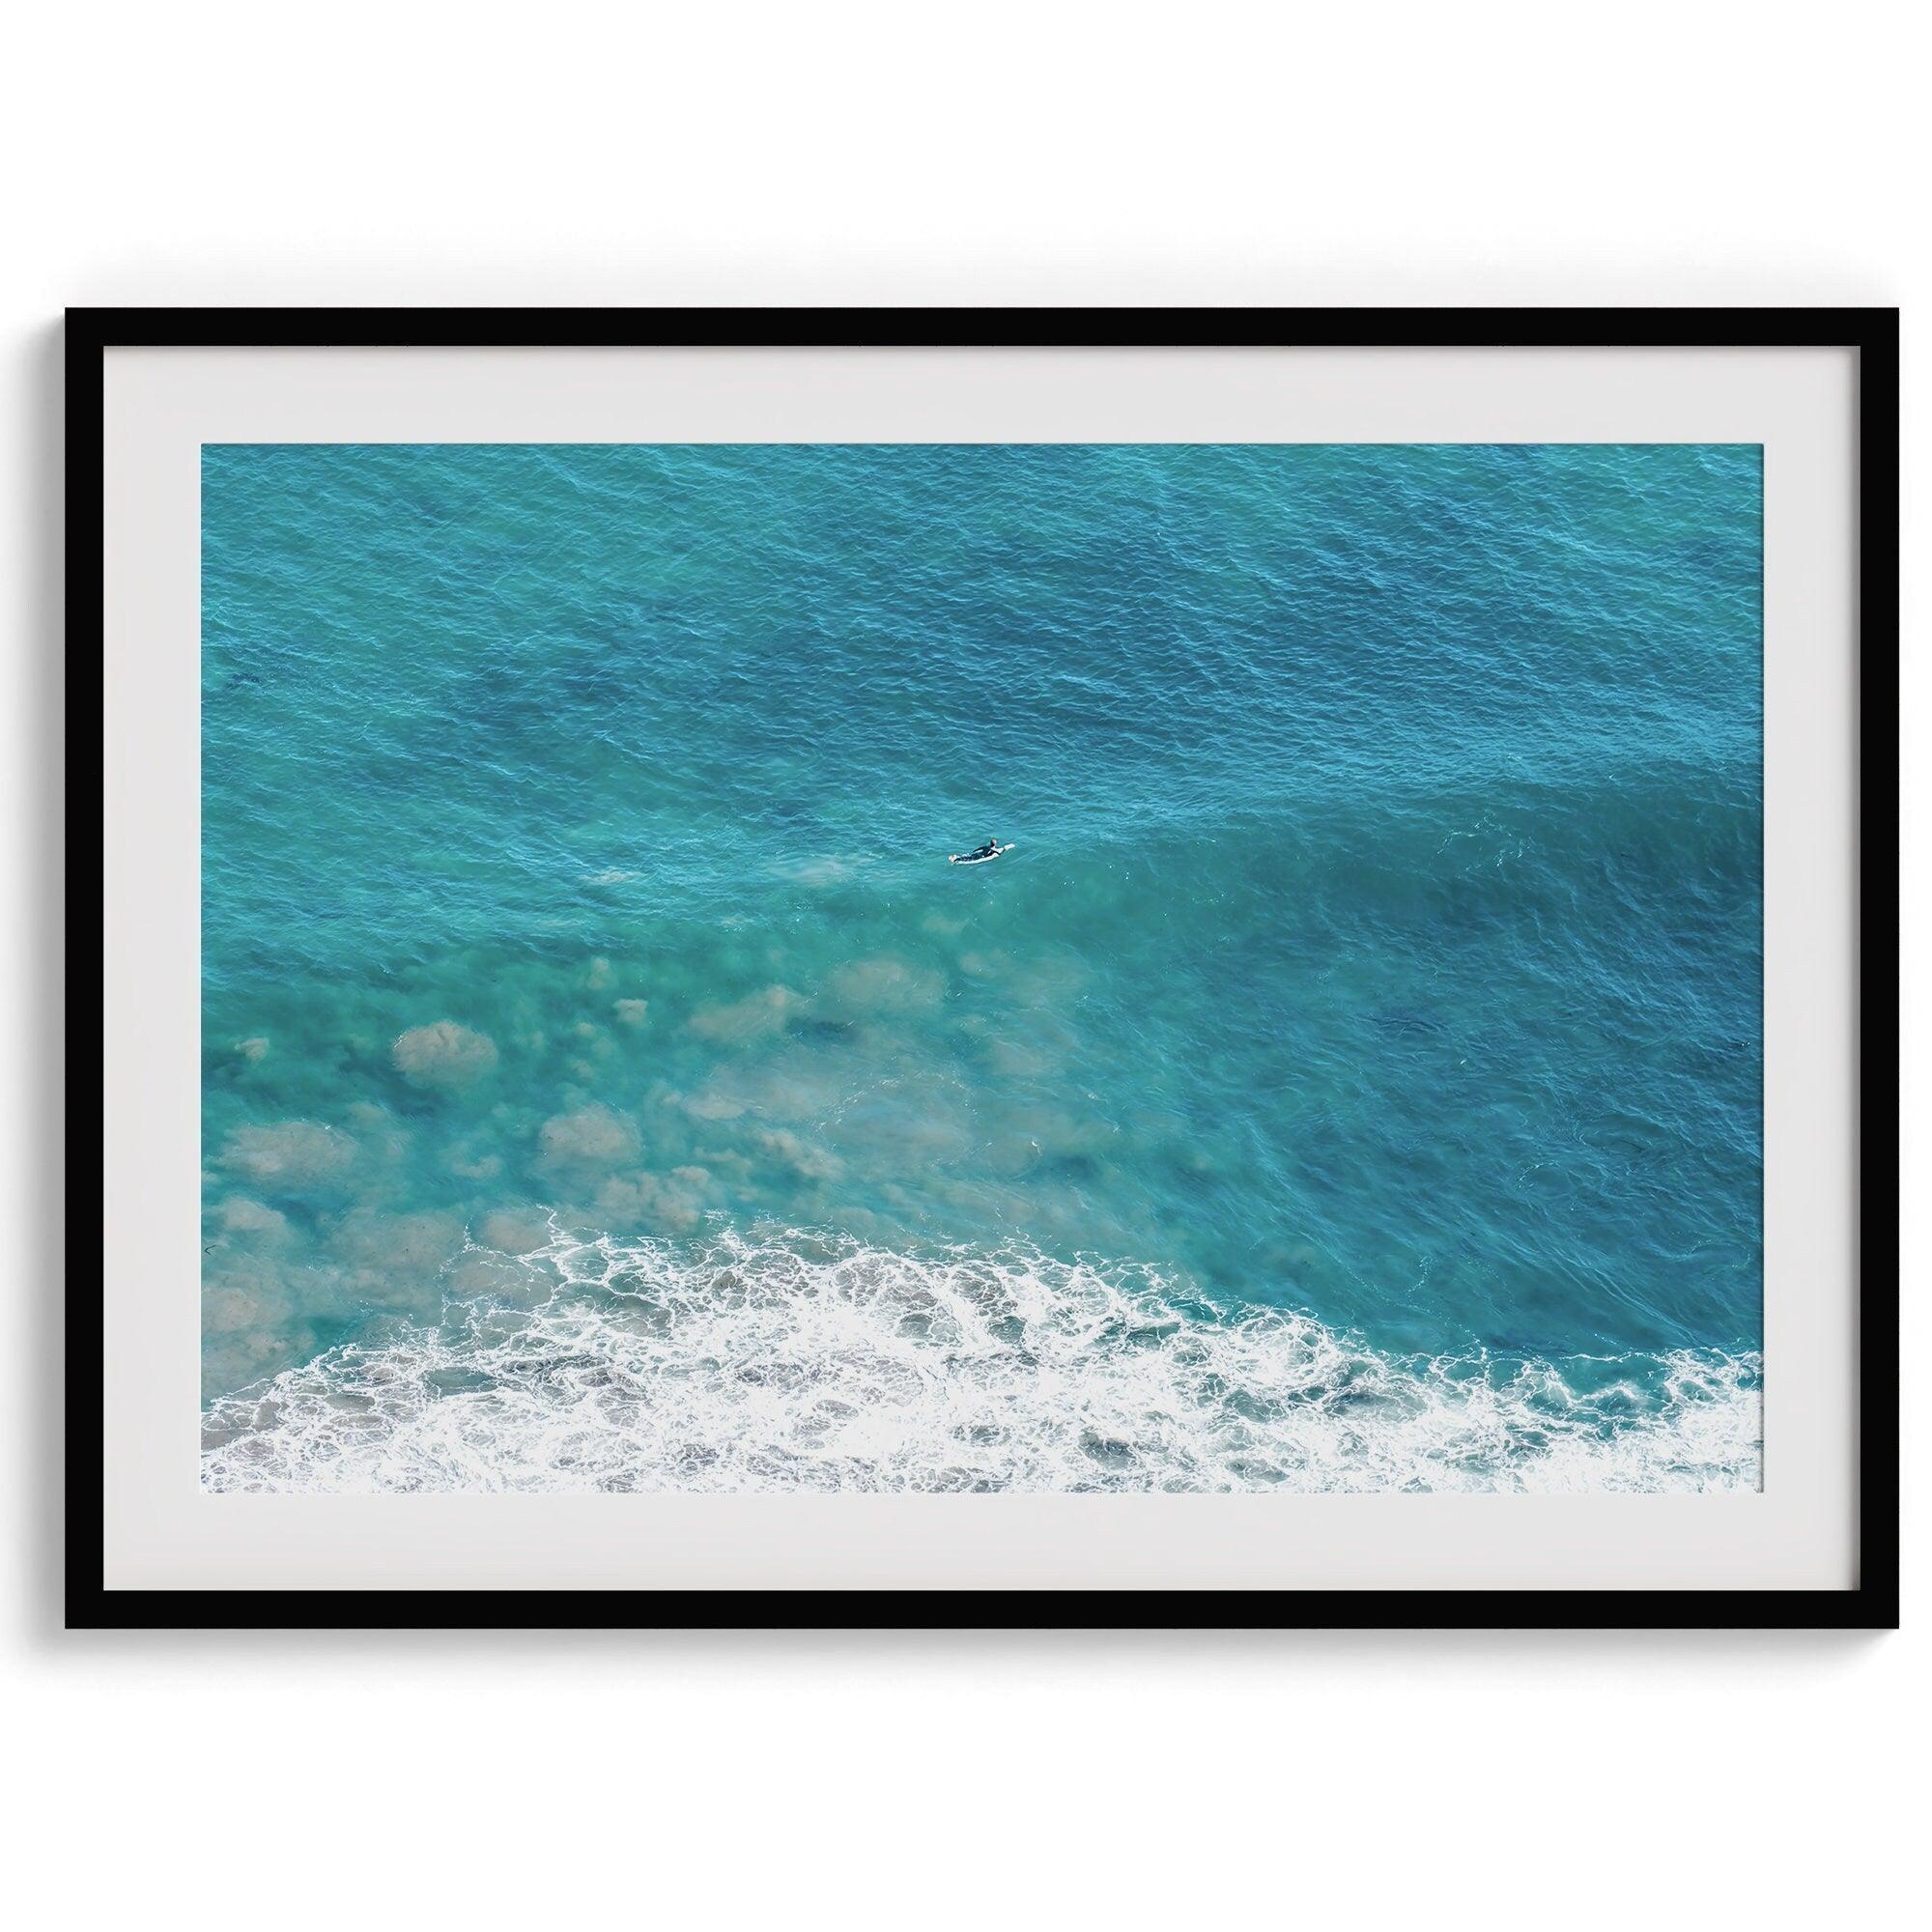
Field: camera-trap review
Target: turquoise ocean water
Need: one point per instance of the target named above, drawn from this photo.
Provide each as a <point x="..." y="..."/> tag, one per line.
<point x="1351" y="1080"/>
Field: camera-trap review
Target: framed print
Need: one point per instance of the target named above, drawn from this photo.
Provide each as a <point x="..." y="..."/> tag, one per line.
<point x="988" y="967"/>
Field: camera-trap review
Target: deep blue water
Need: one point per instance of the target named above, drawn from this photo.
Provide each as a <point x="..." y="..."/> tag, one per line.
<point x="1350" y="1079"/>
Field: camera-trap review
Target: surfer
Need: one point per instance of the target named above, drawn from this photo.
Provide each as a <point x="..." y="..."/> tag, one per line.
<point x="991" y="849"/>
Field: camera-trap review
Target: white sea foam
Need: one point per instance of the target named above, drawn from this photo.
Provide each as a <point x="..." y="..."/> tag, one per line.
<point x="801" y="1362"/>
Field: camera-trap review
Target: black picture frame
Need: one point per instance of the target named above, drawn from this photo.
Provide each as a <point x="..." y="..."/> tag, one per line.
<point x="1871" y="332"/>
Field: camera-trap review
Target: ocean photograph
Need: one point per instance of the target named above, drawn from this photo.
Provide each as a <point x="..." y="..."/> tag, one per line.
<point x="982" y="967"/>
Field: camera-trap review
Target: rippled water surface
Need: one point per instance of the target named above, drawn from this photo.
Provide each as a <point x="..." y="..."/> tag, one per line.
<point x="1350" y="1080"/>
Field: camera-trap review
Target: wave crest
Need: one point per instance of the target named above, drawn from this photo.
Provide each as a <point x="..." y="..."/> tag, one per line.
<point x="805" y="1362"/>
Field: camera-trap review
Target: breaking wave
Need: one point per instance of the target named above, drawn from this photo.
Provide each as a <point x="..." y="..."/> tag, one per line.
<point x="806" y="1362"/>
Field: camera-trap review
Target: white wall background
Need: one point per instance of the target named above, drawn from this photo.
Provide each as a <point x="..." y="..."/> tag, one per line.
<point x="1118" y="152"/>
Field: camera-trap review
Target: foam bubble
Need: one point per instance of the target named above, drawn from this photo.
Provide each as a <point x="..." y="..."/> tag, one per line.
<point x="411" y="1246"/>
<point x="670" y="1204"/>
<point x="832" y="870"/>
<point x="795" y="1087"/>
<point x="444" y="1054"/>
<point x="290" y="1155"/>
<point x="381" y="1138"/>
<point x="800" y="1361"/>
<point x="791" y="1150"/>
<point x="253" y="1221"/>
<point x="516" y="1231"/>
<point x="881" y="986"/>
<point x="593" y="1137"/>
<point x="749" y="1019"/>
<point x="473" y="1160"/>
